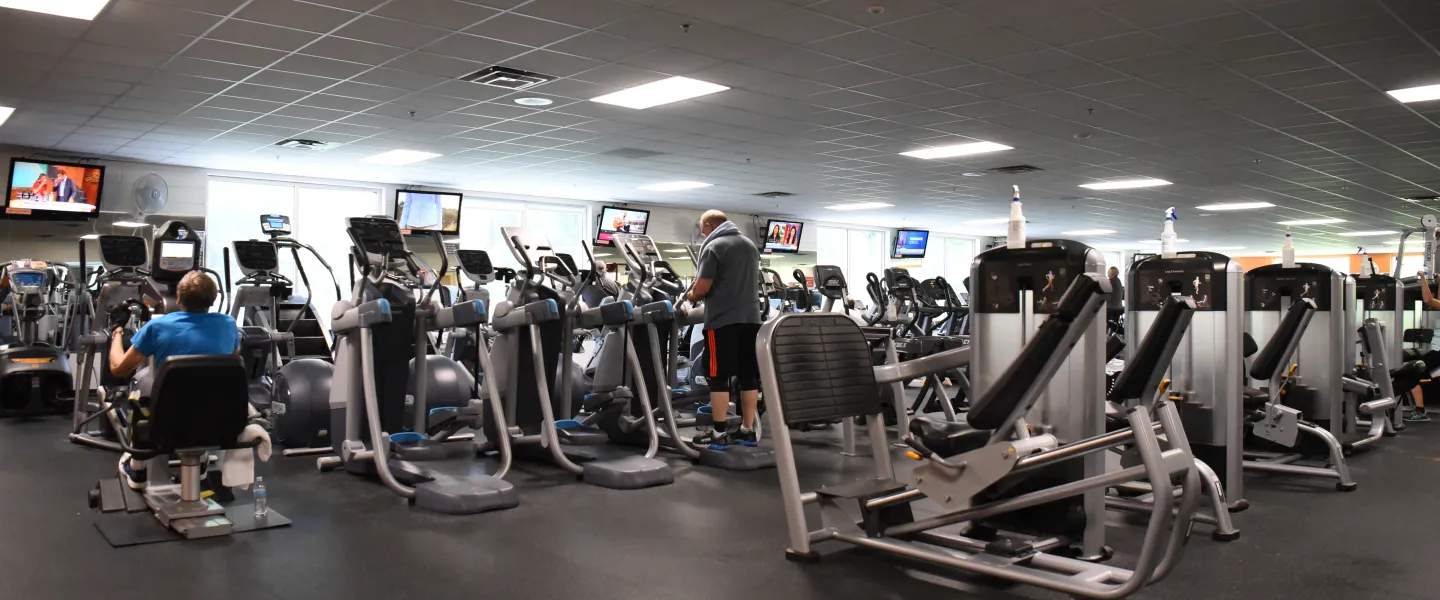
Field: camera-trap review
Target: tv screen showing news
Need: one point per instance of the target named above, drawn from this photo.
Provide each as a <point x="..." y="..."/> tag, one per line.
<point x="428" y="211"/>
<point x="53" y="190"/>
<point x="910" y="243"/>
<point x="615" y="220"/>
<point x="783" y="236"/>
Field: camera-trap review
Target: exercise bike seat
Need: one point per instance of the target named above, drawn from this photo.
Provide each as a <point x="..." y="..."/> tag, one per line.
<point x="948" y="438"/>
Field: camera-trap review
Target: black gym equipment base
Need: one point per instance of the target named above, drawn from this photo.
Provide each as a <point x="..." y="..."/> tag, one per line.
<point x="136" y="528"/>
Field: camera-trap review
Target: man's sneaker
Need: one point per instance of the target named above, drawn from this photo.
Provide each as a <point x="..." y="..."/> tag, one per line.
<point x="744" y="437"/>
<point x="716" y="440"/>
<point x="135" y="478"/>
<point x="1418" y="417"/>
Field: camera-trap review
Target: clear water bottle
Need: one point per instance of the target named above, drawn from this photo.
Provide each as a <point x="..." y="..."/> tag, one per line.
<point x="260" y="498"/>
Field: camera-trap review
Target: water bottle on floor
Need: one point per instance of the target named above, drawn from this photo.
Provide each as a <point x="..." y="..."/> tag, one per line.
<point x="260" y="498"/>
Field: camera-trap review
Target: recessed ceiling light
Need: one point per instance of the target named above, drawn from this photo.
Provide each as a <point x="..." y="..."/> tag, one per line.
<point x="859" y="206"/>
<point x="534" y="101"/>
<point x="973" y="174"/>
<point x="1364" y="233"/>
<point x="75" y="9"/>
<point x="1235" y="206"/>
<point x="1416" y="94"/>
<point x="1124" y="184"/>
<point x="1392" y="243"/>
<point x="5" y="113"/>
<point x="1313" y="222"/>
<point x="660" y="92"/>
<point x="956" y="150"/>
<point x="90" y="236"/>
<point x="674" y="186"/>
<point x="399" y="157"/>
<point x="130" y="224"/>
<point x="1088" y="232"/>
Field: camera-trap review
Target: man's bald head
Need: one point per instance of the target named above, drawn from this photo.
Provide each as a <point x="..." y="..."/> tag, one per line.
<point x="710" y="220"/>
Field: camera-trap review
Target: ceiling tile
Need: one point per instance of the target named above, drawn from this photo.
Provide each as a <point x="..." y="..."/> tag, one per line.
<point x="445" y="14"/>
<point x="405" y="80"/>
<point x="390" y="32"/>
<point x="860" y="45"/>
<point x="580" y="13"/>
<point x="434" y="64"/>
<point x="797" y="26"/>
<point x="352" y="50"/>
<point x="229" y="52"/>
<point x="364" y="91"/>
<point x="475" y="48"/>
<point x="259" y="34"/>
<point x="176" y="20"/>
<point x="292" y="81"/>
<point x="670" y="61"/>
<point x="209" y="68"/>
<point x="729" y="12"/>
<point x="1120" y="46"/>
<point x="602" y="46"/>
<point x="295" y="15"/>
<point x="521" y="29"/>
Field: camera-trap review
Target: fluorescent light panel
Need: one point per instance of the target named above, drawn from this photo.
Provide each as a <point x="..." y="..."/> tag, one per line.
<point x="674" y="186"/>
<point x="1157" y="242"/>
<point x="130" y="224"/>
<point x="1416" y="94"/>
<point x="660" y="92"/>
<point x="1235" y="206"/>
<point x="75" y="9"/>
<point x="859" y="206"/>
<point x="1364" y="233"/>
<point x="399" y="157"/>
<point x="1313" y="222"/>
<point x="5" y="112"/>
<point x="1124" y="184"/>
<point x="1088" y="232"/>
<point x="90" y="236"/>
<point x="956" y="150"/>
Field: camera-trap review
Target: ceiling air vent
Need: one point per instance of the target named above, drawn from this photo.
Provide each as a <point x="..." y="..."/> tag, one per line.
<point x="631" y="153"/>
<point x="505" y="77"/>
<point x="300" y="144"/>
<point x="1017" y="169"/>
<point x="774" y="194"/>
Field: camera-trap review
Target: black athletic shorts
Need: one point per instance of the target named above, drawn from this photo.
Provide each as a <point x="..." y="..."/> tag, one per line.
<point x="732" y="354"/>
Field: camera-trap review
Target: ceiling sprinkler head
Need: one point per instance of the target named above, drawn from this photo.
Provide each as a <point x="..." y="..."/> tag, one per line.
<point x="876" y="9"/>
<point x="1083" y="135"/>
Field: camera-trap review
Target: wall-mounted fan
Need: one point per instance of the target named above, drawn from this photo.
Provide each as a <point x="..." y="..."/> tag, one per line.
<point x="151" y="193"/>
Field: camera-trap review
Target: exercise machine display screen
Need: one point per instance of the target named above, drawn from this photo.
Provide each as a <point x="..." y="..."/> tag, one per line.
<point x="177" y="256"/>
<point x="641" y="246"/>
<point x="475" y="261"/>
<point x="27" y="280"/>
<point x="377" y="236"/>
<point x="256" y="255"/>
<point x="275" y="224"/>
<point x="122" y="251"/>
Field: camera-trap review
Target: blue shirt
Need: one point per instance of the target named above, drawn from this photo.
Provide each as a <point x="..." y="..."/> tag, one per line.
<point x="181" y="333"/>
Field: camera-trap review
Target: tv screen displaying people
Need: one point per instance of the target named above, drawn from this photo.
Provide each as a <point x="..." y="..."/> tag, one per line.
<point x="910" y="243"/>
<point x="54" y="190"/>
<point x="614" y="219"/>
<point x="783" y="236"/>
<point x="428" y="211"/>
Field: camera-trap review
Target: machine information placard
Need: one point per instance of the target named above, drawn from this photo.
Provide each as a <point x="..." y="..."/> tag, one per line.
<point x="1376" y="292"/>
<point x="1267" y="286"/>
<point x="1199" y="275"/>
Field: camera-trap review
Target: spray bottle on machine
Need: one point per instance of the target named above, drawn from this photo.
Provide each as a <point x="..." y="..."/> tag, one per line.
<point x="1287" y="251"/>
<point x="1168" y="237"/>
<point x="1015" y="236"/>
<point x="1367" y="268"/>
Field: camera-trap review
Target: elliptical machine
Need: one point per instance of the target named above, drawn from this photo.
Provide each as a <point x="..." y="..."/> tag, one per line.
<point x="382" y="334"/>
<point x="34" y="374"/>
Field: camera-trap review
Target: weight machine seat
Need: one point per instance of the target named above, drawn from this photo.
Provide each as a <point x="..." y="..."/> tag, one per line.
<point x="822" y="364"/>
<point x="1140" y="367"/>
<point x="1248" y="346"/>
<point x="948" y="438"/>
<point x="198" y="402"/>
<point x="1408" y="375"/>
<point x="1270" y="356"/>
<point x="991" y="409"/>
<point x="1114" y="345"/>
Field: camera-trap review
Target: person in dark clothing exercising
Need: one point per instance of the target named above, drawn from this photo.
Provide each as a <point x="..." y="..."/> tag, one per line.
<point x="728" y="280"/>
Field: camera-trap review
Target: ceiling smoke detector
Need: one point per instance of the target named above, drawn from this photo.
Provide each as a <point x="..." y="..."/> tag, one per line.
<point x="774" y="194"/>
<point x="300" y="144"/>
<point x="505" y="77"/>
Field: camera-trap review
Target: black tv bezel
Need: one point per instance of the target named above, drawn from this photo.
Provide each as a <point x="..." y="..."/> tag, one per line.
<point x="895" y="244"/>
<point x="596" y="242"/>
<point x="395" y="212"/>
<point x="765" y="245"/>
<point x="54" y="215"/>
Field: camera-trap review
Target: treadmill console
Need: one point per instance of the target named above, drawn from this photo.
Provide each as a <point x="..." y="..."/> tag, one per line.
<point x="176" y="250"/>
<point x="123" y="252"/>
<point x="255" y="255"/>
<point x="275" y="225"/>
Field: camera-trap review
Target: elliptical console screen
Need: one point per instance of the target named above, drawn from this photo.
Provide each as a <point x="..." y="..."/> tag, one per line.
<point x="122" y="251"/>
<point x="177" y="256"/>
<point x="641" y="245"/>
<point x="475" y="261"/>
<point x="256" y="255"/>
<point x="377" y="236"/>
<point x="275" y="224"/>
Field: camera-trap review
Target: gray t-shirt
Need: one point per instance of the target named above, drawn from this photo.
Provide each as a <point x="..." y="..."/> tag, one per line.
<point x="732" y="264"/>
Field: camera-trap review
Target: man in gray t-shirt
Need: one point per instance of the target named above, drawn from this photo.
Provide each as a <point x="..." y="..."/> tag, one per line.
<point x="728" y="281"/>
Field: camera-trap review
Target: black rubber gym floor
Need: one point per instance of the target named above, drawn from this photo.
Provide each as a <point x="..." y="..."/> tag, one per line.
<point x="712" y="535"/>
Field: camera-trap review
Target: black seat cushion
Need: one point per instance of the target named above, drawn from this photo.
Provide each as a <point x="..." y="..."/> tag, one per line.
<point x="199" y="402"/>
<point x="1249" y="346"/>
<point x="948" y="438"/>
<point x="1408" y="375"/>
<point x="1114" y="345"/>
<point x="1270" y="356"/>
